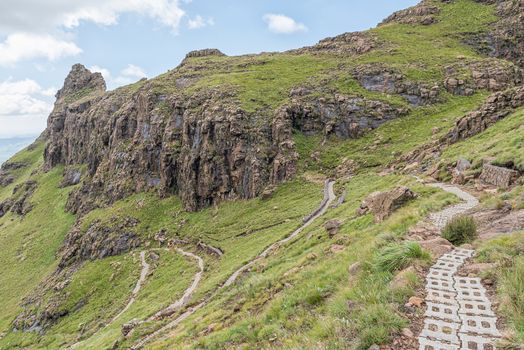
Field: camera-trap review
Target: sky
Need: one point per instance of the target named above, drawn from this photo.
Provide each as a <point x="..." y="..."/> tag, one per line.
<point x="127" y="40"/>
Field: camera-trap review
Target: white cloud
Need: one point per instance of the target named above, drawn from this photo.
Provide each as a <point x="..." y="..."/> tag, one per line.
<point x="24" y="46"/>
<point x="282" y="24"/>
<point x="133" y="71"/>
<point x="105" y="72"/>
<point x="37" y="15"/>
<point x="31" y="29"/>
<point x="128" y="75"/>
<point x="24" y="106"/>
<point x="200" y="22"/>
<point x="23" y="97"/>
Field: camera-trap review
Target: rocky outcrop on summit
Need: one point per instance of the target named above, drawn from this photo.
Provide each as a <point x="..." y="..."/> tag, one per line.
<point x="347" y="44"/>
<point x="420" y="14"/>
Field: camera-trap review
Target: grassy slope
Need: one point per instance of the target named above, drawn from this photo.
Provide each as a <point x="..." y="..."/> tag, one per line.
<point x="298" y="299"/>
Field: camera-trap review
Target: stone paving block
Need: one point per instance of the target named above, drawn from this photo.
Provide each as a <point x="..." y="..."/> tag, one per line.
<point x="481" y="325"/>
<point x="453" y="257"/>
<point x="464" y="252"/>
<point x="467" y="294"/>
<point x="442" y="312"/>
<point x="442" y="297"/>
<point x="440" y="275"/>
<point x="445" y="286"/>
<point x="470" y="283"/>
<point x="475" y="342"/>
<point x="482" y="308"/>
<point x="441" y="330"/>
<point x="447" y="265"/>
<point x="428" y="344"/>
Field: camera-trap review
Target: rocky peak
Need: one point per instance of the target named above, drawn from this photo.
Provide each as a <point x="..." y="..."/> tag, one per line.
<point x="204" y="53"/>
<point x="80" y="79"/>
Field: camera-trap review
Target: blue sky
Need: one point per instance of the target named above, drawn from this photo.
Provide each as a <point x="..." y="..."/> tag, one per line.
<point x="129" y="39"/>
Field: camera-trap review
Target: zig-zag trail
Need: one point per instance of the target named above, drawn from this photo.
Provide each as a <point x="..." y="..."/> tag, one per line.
<point x="329" y="197"/>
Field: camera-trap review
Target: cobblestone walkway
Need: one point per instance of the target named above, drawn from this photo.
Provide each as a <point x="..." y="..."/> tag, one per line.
<point x="459" y="314"/>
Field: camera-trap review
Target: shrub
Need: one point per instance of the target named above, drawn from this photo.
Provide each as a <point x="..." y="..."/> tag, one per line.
<point x="460" y="230"/>
<point x="397" y="256"/>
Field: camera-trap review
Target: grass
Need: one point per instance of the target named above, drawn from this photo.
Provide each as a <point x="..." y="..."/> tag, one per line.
<point x="303" y="296"/>
<point x="497" y="144"/>
<point x="397" y="256"/>
<point x="507" y="253"/>
<point x="460" y="230"/>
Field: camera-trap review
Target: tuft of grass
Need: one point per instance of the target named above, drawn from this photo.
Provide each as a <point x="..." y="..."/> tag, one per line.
<point x="460" y="230"/>
<point x="396" y="256"/>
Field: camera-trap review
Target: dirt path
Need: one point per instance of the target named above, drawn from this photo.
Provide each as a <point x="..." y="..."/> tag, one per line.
<point x="329" y="197"/>
<point x="171" y="309"/>
<point x="459" y="314"/>
<point x="143" y="275"/>
<point x="139" y="284"/>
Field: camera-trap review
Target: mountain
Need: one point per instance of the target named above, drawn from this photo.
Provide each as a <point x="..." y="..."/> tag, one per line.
<point x="275" y="200"/>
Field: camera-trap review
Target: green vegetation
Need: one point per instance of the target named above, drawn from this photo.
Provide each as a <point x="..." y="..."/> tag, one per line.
<point x="460" y="230"/>
<point x="394" y="257"/>
<point x="507" y="253"/>
<point x="314" y="292"/>
<point x="498" y="144"/>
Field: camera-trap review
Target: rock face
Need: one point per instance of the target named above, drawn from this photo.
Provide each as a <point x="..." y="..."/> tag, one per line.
<point x="201" y="147"/>
<point x="6" y="176"/>
<point x="498" y="176"/>
<point x="381" y="79"/>
<point x="99" y="241"/>
<point x="204" y="150"/>
<point x="19" y="203"/>
<point x="383" y="204"/>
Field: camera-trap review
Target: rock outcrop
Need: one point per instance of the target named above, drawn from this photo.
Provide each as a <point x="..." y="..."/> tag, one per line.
<point x="382" y="79"/>
<point x="423" y="13"/>
<point x="506" y="37"/>
<point x="497" y="107"/>
<point x="99" y="241"/>
<point x="383" y="204"/>
<point x="498" y="176"/>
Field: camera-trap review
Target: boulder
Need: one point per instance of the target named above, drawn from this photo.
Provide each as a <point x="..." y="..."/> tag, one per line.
<point x="332" y="227"/>
<point x="498" y="176"/>
<point x="383" y="204"/>
<point x="71" y="177"/>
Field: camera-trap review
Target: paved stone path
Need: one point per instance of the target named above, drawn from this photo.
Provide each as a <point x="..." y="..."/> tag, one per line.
<point x="329" y="197"/>
<point x="459" y="314"/>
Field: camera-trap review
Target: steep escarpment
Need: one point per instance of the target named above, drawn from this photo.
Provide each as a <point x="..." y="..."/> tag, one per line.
<point x="203" y="147"/>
